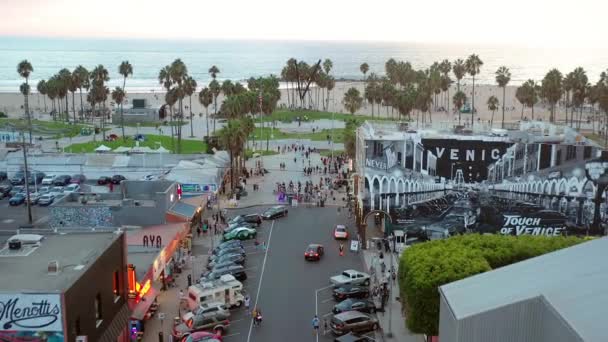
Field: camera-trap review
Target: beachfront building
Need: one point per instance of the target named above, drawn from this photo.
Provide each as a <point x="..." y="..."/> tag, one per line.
<point x="138" y="111"/>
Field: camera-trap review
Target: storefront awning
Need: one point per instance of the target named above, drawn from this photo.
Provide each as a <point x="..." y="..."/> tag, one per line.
<point x="140" y="309"/>
<point x="184" y="209"/>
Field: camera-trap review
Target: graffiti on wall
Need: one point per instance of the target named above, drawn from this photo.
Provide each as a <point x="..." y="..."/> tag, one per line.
<point x="76" y="217"/>
<point x="31" y="336"/>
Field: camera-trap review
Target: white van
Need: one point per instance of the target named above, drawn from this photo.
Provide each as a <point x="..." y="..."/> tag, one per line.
<point x="226" y="290"/>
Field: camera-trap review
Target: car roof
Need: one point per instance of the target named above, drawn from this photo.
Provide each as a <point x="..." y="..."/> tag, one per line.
<point x="350" y="314"/>
<point x="340" y="226"/>
<point x="314" y="245"/>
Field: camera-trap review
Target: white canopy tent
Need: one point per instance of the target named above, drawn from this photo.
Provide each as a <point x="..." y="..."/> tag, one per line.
<point x="103" y="148"/>
<point x="122" y="149"/>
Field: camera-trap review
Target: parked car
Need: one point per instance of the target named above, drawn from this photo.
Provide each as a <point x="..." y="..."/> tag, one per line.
<point x="350" y="291"/>
<point x="227" y="251"/>
<point x="217" y="324"/>
<point x="18" y="178"/>
<point x="230" y="243"/>
<point x="215" y="308"/>
<point x="238" y="272"/>
<point x="17" y="199"/>
<point x="5" y="189"/>
<point x="3" y="176"/>
<point x="72" y="188"/>
<point x="340" y="232"/>
<point x="34" y="197"/>
<point x="353" y="337"/>
<point x="237" y="259"/>
<point x="36" y="177"/>
<point x="44" y="190"/>
<point x="274" y="212"/>
<point x="56" y="191"/>
<point x="62" y="180"/>
<point x="45" y="200"/>
<point x="350" y="304"/>
<point x="241" y="233"/>
<point x="201" y="336"/>
<point x="352" y="321"/>
<point x="103" y="180"/>
<point x="234" y="226"/>
<point x="116" y="179"/>
<point x="220" y="248"/>
<point x="251" y="218"/>
<point x="16" y="190"/>
<point x="48" y="179"/>
<point x="78" y="179"/>
<point x="313" y="252"/>
<point x="350" y="277"/>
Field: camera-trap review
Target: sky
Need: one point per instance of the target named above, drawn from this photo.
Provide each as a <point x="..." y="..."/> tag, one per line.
<point x="530" y="22"/>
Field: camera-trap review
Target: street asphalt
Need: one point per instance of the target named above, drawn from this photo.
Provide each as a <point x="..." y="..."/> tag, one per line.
<point x="288" y="289"/>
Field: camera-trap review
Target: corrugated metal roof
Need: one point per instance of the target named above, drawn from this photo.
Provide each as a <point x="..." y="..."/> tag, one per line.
<point x="572" y="280"/>
<point x="184" y="209"/>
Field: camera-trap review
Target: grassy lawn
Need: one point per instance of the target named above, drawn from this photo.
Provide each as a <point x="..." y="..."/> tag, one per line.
<point x="153" y="124"/>
<point x="188" y="146"/>
<point x="317" y="136"/>
<point x="290" y="115"/>
<point x="54" y="128"/>
<point x="599" y="139"/>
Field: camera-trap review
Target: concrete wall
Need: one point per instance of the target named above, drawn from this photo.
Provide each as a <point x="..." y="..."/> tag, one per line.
<point x="98" y="279"/>
<point x="159" y="191"/>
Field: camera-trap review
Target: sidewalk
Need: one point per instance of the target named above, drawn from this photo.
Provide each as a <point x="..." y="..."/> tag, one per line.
<point x="169" y="300"/>
<point x="392" y="310"/>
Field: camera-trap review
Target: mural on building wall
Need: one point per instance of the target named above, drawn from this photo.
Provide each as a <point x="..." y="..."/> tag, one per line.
<point x="77" y="217"/>
<point x="31" y="336"/>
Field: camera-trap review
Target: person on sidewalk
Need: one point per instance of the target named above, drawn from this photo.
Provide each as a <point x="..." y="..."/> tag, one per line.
<point x="198" y="231"/>
<point x="341" y="248"/>
<point x="247" y="302"/>
<point x="315" y="325"/>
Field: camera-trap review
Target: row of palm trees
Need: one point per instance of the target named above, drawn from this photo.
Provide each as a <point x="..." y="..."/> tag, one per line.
<point x="233" y="137"/>
<point x="295" y="73"/>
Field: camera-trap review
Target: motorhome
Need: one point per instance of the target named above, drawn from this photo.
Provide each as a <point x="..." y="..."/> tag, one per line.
<point x="225" y="290"/>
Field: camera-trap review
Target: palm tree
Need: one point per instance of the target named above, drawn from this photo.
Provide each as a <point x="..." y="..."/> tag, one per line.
<point x="371" y="88"/>
<point x="227" y="88"/>
<point x="352" y="100"/>
<point x="230" y="139"/>
<point x="66" y="84"/>
<point x="98" y="77"/>
<point x="459" y="70"/>
<point x="520" y="95"/>
<point x="602" y="95"/>
<point x="72" y="87"/>
<point x="551" y="90"/>
<point x="42" y="90"/>
<point x="473" y="64"/>
<point x="503" y="76"/>
<point x="445" y="67"/>
<point x="459" y="100"/>
<point x="170" y="100"/>
<point x="531" y="93"/>
<point x="213" y="71"/>
<point x="82" y="81"/>
<point x="493" y="106"/>
<point x="24" y="68"/>
<point x="51" y="90"/>
<point x="215" y="89"/>
<point x="118" y="96"/>
<point x="329" y="85"/>
<point x="568" y="85"/>
<point x="206" y="98"/>
<point x="190" y="88"/>
<point x="125" y="69"/>
<point x="364" y="68"/>
<point x="580" y="91"/>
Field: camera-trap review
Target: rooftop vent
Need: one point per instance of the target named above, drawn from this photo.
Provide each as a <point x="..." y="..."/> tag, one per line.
<point x="53" y="267"/>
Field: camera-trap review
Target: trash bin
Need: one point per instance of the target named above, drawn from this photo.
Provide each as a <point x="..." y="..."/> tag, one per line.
<point x="238" y="196"/>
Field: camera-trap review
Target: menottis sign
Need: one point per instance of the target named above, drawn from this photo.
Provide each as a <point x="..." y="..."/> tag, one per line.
<point x="521" y="225"/>
<point x="30" y="312"/>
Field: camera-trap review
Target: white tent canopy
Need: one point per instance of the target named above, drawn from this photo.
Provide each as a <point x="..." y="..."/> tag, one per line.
<point x="189" y="172"/>
<point x="103" y="148"/>
<point x="122" y="149"/>
<point x="142" y="149"/>
<point x="161" y="150"/>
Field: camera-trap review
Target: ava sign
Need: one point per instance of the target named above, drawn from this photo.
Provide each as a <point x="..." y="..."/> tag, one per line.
<point x="30" y="312"/>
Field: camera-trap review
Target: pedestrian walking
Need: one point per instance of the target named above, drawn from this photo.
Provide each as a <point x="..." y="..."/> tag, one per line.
<point x="341" y="248"/>
<point x="247" y="302"/>
<point x="254" y="315"/>
<point x="315" y="325"/>
<point x="198" y="231"/>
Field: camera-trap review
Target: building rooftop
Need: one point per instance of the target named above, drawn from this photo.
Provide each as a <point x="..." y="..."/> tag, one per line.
<point x="27" y="270"/>
<point x="572" y="280"/>
<point x="142" y="258"/>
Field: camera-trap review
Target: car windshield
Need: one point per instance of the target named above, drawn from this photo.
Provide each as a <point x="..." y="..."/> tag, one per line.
<point x="340" y="229"/>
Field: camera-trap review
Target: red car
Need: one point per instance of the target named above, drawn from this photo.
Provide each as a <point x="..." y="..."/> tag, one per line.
<point x="78" y="179"/>
<point x="202" y="336"/>
<point x="313" y="252"/>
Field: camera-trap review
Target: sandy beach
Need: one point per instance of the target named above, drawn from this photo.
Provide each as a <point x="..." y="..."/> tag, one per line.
<point x="12" y="103"/>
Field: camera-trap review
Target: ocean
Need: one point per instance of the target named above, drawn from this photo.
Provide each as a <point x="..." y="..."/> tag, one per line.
<point x="239" y="60"/>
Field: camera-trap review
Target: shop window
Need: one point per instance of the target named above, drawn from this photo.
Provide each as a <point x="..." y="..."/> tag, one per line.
<point x="98" y="311"/>
<point x="558" y="158"/>
<point x="587" y="152"/>
<point x="116" y="286"/>
<point x="570" y="152"/>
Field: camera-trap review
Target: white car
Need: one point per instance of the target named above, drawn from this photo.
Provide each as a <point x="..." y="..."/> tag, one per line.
<point x="349" y="277"/>
<point x="71" y="188"/>
<point x="48" y="179"/>
<point x="340" y="232"/>
<point x="211" y="308"/>
<point x="56" y="191"/>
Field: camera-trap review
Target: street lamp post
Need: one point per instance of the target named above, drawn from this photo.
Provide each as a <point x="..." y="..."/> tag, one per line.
<point x="27" y="181"/>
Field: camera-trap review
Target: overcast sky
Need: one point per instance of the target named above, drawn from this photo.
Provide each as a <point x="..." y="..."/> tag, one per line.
<point x="536" y="22"/>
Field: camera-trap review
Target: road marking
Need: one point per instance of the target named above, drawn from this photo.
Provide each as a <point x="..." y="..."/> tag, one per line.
<point x="231" y="335"/>
<point x="317" y="303"/>
<point x="257" y="295"/>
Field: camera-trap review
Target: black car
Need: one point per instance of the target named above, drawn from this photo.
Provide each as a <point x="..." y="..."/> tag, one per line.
<point x="103" y="180"/>
<point x="18" y="178"/>
<point x="274" y="212"/>
<point x="313" y="252"/>
<point x="227" y="251"/>
<point x="350" y="304"/>
<point x="5" y="189"/>
<point x="36" y="178"/>
<point x="3" y="176"/>
<point x="251" y="218"/>
<point x="62" y="180"/>
<point x="237" y="272"/>
<point x="238" y="259"/>
<point x="350" y="291"/>
<point x="116" y="179"/>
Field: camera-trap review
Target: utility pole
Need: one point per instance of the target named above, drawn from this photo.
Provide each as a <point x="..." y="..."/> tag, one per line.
<point x="27" y="181"/>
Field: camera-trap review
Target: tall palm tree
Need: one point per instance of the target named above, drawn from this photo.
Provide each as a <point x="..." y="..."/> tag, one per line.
<point x="82" y="81"/>
<point x="602" y="95"/>
<point x="125" y="69"/>
<point x="473" y="64"/>
<point x="190" y="88"/>
<point x="520" y="95"/>
<point x="171" y="99"/>
<point x="51" y="91"/>
<point x="493" y="106"/>
<point x="459" y="70"/>
<point x="532" y="91"/>
<point x="551" y="90"/>
<point x="179" y="74"/>
<point x="118" y="96"/>
<point x="329" y="85"/>
<point x="352" y="100"/>
<point x="206" y="98"/>
<point x="503" y="77"/>
<point x="568" y="86"/>
<point x="371" y="88"/>
<point x="66" y="79"/>
<point x="230" y="138"/>
<point x="72" y="83"/>
<point x="445" y="67"/>
<point x="459" y="100"/>
<point x="364" y="68"/>
<point x="42" y="90"/>
<point x="24" y="69"/>
<point x="216" y="89"/>
<point x="580" y="91"/>
<point x="99" y="76"/>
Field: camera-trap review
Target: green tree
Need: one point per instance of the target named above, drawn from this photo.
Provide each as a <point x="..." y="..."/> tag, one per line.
<point x="66" y="84"/>
<point x="126" y="70"/>
<point x="42" y="90"/>
<point x="99" y="76"/>
<point x="190" y="88"/>
<point x="205" y="98"/>
<point x="459" y="100"/>
<point x="568" y="85"/>
<point x="459" y="70"/>
<point x="364" y="68"/>
<point x="602" y="96"/>
<point x="551" y="90"/>
<point x="580" y="91"/>
<point x="493" y="106"/>
<point x="520" y="95"/>
<point x="25" y="69"/>
<point x="118" y="96"/>
<point x="371" y="90"/>
<point x="473" y="64"/>
<point x="352" y="100"/>
<point x="81" y="78"/>
<point x="503" y="77"/>
<point x="231" y="139"/>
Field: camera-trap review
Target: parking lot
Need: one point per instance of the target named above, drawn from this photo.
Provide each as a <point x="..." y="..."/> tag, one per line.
<point x="288" y="289"/>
